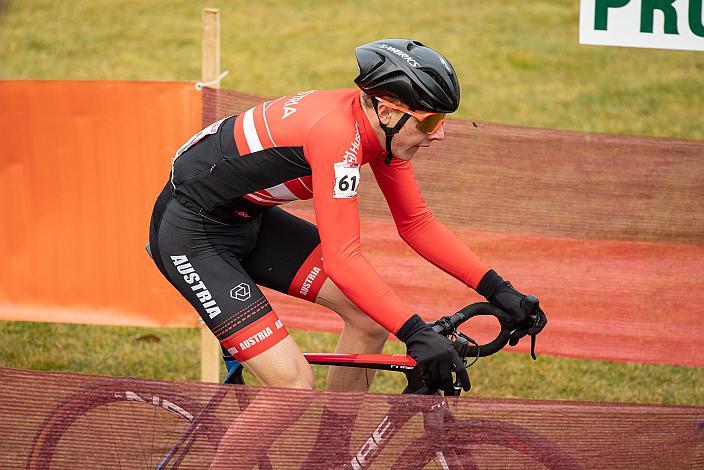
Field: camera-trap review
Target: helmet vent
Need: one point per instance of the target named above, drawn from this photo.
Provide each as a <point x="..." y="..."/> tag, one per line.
<point x="438" y="79"/>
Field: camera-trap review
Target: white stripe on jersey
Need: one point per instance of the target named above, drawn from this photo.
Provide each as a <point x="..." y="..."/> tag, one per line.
<point x="250" y="132"/>
<point x="280" y="191"/>
<point x="254" y="198"/>
<point x="265" y="196"/>
<point x="304" y="185"/>
<point x="265" y="108"/>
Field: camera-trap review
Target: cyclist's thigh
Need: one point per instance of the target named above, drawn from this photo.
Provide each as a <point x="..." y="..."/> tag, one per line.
<point x="200" y="259"/>
<point x="273" y="370"/>
<point x="288" y="257"/>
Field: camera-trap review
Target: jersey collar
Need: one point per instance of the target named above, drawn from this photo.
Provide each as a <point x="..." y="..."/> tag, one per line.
<point x="370" y="144"/>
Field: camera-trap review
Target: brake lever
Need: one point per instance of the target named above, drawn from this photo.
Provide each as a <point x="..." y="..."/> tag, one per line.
<point x="457" y="388"/>
<point x="535" y="317"/>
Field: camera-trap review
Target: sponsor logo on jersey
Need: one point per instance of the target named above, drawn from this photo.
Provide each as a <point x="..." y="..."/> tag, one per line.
<point x="351" y="154"/>
<point x="256" y="338"/>
<point x="193" y="279"/>
<point x="290" y="105"/>
<point x="411" y="61"/>
<point x="308" y="282"/>
<point x="242" y="214"/>
<point x="241" y="292"/>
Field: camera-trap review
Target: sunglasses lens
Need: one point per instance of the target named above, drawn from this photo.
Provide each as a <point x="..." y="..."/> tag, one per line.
<point x="431" y="123"/>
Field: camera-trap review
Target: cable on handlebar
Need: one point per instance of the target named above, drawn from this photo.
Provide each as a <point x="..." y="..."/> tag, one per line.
<point x="461" y="337"/>
<point x="449" y="324"/>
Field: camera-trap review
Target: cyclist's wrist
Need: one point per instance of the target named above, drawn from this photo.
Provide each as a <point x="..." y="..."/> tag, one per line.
<point x="410" y="327"/>
<point x="489" y="283"/>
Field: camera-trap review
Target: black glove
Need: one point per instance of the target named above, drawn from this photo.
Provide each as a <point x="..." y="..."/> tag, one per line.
<point x="530" y="318"/>
<point x="434" y="354"/>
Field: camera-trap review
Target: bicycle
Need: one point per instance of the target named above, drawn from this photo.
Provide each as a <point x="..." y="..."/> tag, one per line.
<point x="196" y="431"/>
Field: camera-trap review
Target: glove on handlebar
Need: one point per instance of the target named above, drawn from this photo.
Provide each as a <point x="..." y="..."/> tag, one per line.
<point x="530" y="318"/>
<point x="434" y="354"/>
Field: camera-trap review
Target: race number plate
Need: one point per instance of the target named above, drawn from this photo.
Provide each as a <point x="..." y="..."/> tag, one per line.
<point x="346" y="180"/>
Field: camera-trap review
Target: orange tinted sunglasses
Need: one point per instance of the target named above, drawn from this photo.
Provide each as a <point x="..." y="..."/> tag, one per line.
<point x="427" y="122"/>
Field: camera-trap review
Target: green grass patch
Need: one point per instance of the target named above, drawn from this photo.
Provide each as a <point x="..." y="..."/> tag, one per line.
<point x="173" y="354"/>
<point x="518" y="62"/>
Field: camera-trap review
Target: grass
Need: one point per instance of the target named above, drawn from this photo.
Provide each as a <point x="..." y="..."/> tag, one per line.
<point x="172" y="354"/>
<point x="519" y="62"/>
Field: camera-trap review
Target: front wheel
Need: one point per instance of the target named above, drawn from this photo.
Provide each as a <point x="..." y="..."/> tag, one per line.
<point x="121" y="424"/>
<point x="480" y="444"/>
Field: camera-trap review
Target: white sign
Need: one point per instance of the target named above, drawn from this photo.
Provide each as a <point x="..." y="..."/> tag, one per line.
<point x="659" y="24"/>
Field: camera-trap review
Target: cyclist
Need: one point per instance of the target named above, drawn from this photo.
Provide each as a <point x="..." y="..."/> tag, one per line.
<point x="217" y="229"/>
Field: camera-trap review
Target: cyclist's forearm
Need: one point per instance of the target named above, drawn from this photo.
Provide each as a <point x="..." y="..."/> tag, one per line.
<point x="431" y="239"/>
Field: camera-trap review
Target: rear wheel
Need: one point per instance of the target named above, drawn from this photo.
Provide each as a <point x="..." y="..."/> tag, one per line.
<point x="481" y="444"/>
<point x="122" y="424"/>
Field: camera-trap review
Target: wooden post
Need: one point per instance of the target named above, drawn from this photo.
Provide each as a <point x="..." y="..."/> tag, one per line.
<point x="210" y="65"/>
<point x="210" y="352"/>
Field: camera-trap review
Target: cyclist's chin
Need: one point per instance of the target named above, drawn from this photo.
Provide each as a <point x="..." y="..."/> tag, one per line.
<point x="408" y="153"/>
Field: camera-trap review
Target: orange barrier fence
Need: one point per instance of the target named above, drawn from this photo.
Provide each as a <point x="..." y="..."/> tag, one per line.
<point x="607" y="230"/>
<point x="82" y="163"/>
<point x="53" y="420"/>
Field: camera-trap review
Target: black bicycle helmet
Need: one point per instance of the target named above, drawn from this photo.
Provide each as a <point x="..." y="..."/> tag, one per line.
<point x="408" y="70"/>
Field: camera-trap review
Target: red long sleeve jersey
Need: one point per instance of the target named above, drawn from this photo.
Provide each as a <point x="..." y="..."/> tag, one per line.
<point x="311" y="145"/>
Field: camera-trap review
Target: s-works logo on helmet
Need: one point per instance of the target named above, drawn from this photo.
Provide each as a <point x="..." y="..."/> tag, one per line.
<point x="411" y="61"/>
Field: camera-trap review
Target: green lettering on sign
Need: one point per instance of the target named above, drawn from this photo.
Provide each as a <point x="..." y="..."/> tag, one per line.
<point x="648" y="11"/>
<point x="601" y="12"/>
<point x="695" y="17"/>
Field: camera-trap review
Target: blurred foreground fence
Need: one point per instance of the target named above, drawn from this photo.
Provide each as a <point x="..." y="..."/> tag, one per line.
<point x="52" y="420"/>
<point x="607" y="230"/>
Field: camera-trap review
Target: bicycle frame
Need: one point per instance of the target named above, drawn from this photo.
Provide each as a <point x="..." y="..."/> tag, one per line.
<point x="382" y="434"/>
<point x="434" y="417"/>
<point x="445" y="438"/>
<point x="392" y="362"/>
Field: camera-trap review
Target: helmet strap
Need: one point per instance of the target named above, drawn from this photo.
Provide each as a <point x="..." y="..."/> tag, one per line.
<point x="389" y="131"/>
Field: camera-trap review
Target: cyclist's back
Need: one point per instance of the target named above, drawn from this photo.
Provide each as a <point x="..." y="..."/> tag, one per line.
<point x="263" y="157"/>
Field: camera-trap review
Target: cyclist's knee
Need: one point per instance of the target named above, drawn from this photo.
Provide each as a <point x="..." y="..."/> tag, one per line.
<point x="302" y="383"/>
<point x="283" y="365"/>
<point x="369" y="332"/>
<point x="332" y="297"/>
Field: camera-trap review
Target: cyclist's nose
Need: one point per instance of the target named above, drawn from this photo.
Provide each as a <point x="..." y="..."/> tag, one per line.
<point x="439" y="133"/>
